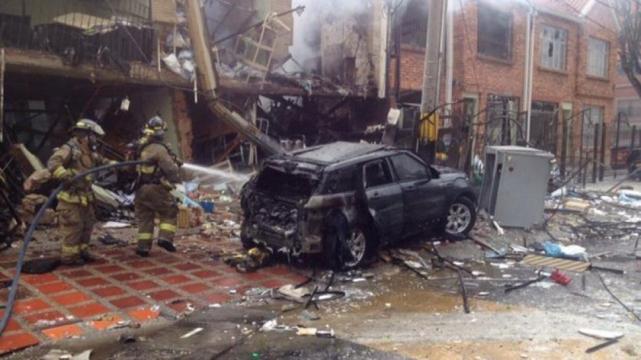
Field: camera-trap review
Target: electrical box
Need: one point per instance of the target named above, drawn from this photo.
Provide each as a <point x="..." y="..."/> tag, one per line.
<point x="515" y="185"/>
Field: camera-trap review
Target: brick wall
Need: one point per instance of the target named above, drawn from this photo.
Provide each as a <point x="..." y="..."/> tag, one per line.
<point x="480" y="76"/>
<point x="412" y="63"/>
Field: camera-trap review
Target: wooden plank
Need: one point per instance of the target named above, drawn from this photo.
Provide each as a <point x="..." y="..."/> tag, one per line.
<point x="557" y="263"/>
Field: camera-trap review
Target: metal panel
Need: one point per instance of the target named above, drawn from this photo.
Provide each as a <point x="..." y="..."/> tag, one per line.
<point x="515" y="185"/>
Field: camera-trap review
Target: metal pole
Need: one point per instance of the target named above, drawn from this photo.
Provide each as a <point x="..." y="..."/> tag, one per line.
<point x="581" y="148"/>
<point x="594" y="152"/>
<point x="431" y="73"/>
<point x="530" y="72"/>
<point x="397" y="66"/>
<point x="564" y="144"/>
<point x="616" y="143"/>
<point x="449" y="56"/>
<point x="633" y="137"/>
<point x="602" y="159"/>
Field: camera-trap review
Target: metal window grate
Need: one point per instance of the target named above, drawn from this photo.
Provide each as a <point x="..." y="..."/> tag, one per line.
<point x="107" y="31"/>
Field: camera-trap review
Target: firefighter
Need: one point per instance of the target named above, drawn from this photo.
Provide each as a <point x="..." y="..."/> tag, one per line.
<point x="155" y="182"/>
<point x="75" y="209"/>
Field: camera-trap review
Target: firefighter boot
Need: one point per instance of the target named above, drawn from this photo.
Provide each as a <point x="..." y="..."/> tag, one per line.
<point x="167" y="245"/>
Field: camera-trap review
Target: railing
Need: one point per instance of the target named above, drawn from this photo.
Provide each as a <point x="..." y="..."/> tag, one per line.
<point x="109" y="32"/>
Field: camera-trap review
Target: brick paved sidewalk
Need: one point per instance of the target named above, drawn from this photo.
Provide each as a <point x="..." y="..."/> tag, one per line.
<point x="121" y="287"/>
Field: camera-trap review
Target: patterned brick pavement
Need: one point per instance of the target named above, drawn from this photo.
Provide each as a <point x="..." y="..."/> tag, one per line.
<point x="121" y="287"/>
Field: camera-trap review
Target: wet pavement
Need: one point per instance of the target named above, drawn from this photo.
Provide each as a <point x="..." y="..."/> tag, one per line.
<point x="122" y="290"/>
<point x="387" y="311"/>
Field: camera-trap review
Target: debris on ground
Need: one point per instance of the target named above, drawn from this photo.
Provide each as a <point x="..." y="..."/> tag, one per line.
<point x="192" y="333"/>
<point x="293" y="293"/>
<point x="249" y="261"/>
<point x="127" y="338"/>
<point x="307" y="315"/>
<point x="601" y="334"/>
<point x="108" y="239"/>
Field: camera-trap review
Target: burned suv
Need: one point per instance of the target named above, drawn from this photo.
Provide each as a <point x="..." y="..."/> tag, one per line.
<point x="343" y="200"/>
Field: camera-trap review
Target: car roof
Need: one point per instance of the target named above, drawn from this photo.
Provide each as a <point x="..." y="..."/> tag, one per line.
<point x="337" y="152"/>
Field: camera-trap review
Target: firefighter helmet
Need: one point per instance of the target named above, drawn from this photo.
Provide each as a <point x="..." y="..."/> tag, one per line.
<point x="90" y="126"/>
<point x="155" y="127"/>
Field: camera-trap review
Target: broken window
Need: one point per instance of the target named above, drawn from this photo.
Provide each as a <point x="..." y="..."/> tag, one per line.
<point x="377" y="173"/>
<point x="339" y="181"/>
<point x="407" y="168"/>
<point x="256" y="47"/>
<point x="592" y="115"/>
<point x="494" y="32"/>
<point x="554" y="44"/>
<point x="598" y="51"/>
<point x="413" y="23"/>
<point x="279" y="183"/>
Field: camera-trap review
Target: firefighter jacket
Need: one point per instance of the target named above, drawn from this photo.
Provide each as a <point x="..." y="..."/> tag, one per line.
<point x="163" y="167"/>
<point x="69" y="160"/>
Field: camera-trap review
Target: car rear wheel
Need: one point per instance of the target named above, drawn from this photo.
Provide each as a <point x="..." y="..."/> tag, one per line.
<point x="461" y="216"/>
<point x="356" y="248"/>
<point x="346" y="247"/>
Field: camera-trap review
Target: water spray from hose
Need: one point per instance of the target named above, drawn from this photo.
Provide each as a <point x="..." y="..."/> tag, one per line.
<point x="216" y="172"/>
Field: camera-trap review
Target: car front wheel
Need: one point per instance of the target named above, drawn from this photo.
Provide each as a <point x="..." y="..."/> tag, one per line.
<point x="461" y="216"/>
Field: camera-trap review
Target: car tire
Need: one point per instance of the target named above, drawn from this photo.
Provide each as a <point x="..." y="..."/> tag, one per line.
<point x="460" y="218"/>
<point x="245" y="239"/>
<point x="346" y="247"/>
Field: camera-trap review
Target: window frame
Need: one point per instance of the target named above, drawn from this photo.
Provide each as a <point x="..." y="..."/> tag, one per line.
<point x="497" y="15"/>
<point x="366" y="186"/>
<point x="428" y="172"/>
<point x="605" y="59"/>
<point x="548" y="62"/>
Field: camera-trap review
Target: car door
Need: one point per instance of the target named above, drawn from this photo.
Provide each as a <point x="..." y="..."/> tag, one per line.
<point x="384" y="199"/>
<point x="424" y="198"/>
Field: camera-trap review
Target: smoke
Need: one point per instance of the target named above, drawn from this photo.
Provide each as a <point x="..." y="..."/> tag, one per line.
<point x="307" y="27"/>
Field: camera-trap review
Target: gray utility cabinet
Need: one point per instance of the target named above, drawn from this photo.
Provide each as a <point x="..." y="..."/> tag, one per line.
<point x="515" y="184"/>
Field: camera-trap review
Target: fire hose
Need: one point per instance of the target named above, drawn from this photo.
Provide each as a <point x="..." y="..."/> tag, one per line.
<point x="29" y="234"/>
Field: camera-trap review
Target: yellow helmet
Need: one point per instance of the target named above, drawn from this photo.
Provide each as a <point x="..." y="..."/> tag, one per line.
<point x="89" y="125"/>
<point x="155" y="127"/>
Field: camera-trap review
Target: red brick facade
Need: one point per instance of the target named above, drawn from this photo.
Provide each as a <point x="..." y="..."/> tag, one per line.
<point x="478" y="76"/>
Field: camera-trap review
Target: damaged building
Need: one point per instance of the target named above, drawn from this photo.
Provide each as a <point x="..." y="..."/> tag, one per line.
<point x="63" y="60"/>
<point x="122" y="62"/>
<point x="306" y="73"/>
